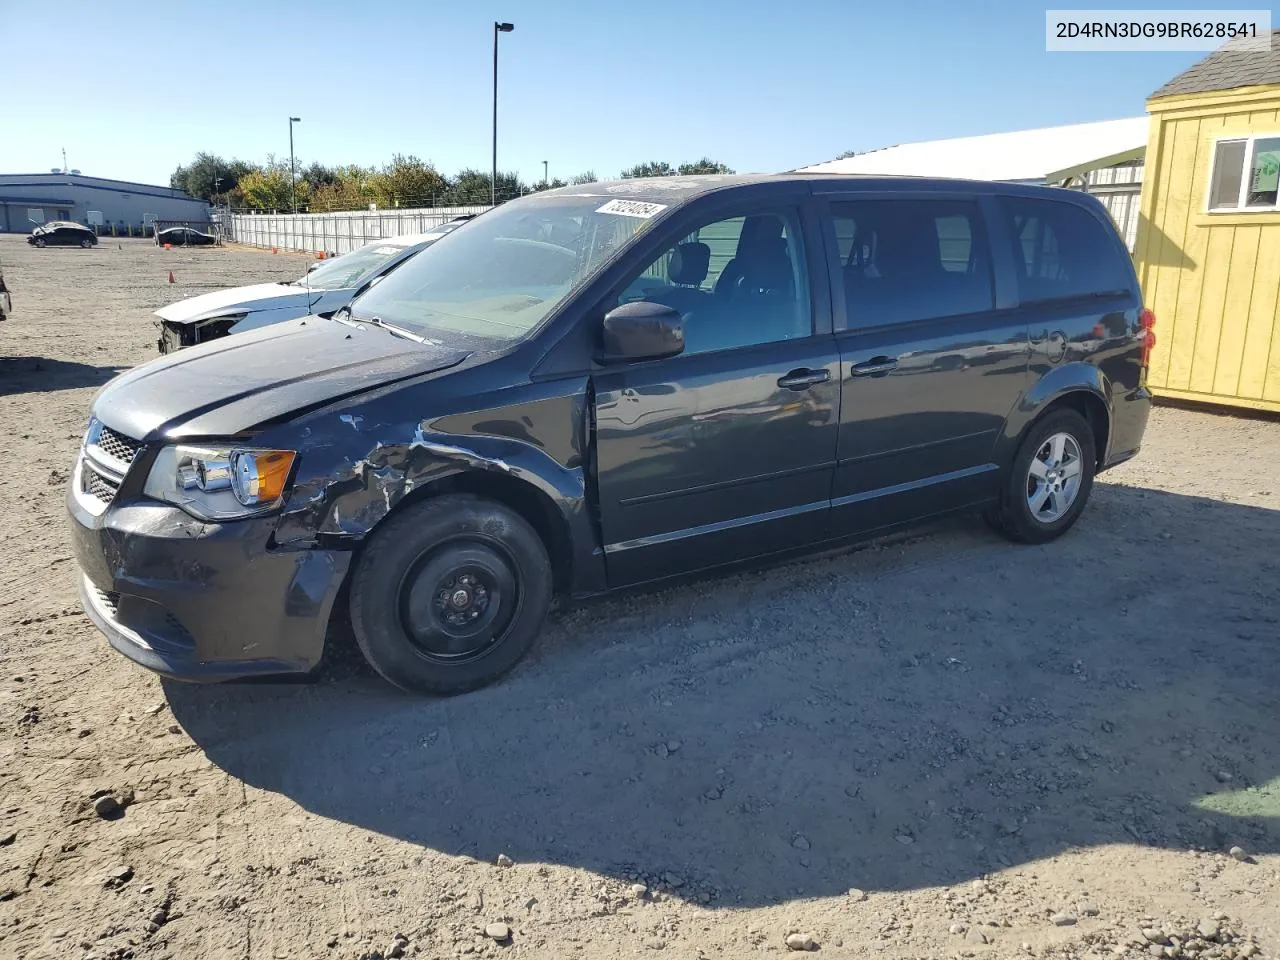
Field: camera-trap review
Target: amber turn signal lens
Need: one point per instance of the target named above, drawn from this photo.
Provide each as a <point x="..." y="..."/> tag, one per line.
<point x="259" y="476"/>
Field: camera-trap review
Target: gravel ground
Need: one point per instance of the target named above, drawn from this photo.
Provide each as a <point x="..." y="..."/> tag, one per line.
<point x="938" y="746"/>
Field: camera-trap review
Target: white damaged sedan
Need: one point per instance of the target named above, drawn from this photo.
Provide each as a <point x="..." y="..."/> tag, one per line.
<point x="326" y="288"/>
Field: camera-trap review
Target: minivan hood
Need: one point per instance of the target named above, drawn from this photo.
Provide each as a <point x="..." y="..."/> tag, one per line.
<point x="259" y="296"/>
<point x="228" y="386"/>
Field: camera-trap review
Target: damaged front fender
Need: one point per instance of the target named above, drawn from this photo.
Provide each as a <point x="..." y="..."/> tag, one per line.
<point x="357" y="468"/>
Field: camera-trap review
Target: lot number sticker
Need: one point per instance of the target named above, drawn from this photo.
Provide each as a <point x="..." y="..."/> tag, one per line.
<point x="632" y="208"/>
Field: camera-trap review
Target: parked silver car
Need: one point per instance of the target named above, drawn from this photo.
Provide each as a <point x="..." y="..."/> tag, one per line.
<point x="326" y="287"/>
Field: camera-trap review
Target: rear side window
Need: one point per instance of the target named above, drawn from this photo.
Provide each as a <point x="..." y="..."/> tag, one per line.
<point x="905" y="260"/>
<point x="1061" y="251"/>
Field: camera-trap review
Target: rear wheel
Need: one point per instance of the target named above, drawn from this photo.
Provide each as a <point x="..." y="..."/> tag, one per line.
<point x="450" y="594"/>
<point x="1050" y="480"/>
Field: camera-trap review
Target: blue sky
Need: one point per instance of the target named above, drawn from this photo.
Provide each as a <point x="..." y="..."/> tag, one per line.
<point x="758" y="85"/>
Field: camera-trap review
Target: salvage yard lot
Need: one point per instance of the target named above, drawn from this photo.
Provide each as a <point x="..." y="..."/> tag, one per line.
<point x="941" y="745"/>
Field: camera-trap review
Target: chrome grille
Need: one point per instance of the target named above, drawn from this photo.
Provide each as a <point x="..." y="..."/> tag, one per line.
<point x="100" y="487"/>
<point x="117" y="445"/>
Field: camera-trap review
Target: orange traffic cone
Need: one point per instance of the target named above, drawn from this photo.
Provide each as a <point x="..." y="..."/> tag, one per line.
<point x="274" y="250"/>
<point x="320" y="255"/>
<point x="168" y="246"/>
<point x="171" y="280"/>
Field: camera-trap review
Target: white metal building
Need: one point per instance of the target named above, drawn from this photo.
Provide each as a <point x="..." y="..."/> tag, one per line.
<point x="1105" y="158"/>
<point x="28" y="199"/>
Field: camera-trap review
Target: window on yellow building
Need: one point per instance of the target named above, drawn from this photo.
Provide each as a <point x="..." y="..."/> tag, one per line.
<point x="1228" y="171"/>
<point x="1245" y="174"/>
<point x="1264" y="173"/>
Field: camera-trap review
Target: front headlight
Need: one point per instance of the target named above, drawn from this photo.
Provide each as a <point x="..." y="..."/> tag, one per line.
<point x="220" y="483"/>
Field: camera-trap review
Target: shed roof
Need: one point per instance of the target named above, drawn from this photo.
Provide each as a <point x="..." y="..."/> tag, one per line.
<point x="1232" y="65"/>
<point x="1043" y="154"/>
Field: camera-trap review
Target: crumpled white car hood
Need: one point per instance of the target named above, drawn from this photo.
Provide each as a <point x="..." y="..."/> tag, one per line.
<point x="259" y="296"/>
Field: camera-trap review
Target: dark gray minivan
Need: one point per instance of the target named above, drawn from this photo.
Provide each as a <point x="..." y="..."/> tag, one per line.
<point x="602" y="386"/>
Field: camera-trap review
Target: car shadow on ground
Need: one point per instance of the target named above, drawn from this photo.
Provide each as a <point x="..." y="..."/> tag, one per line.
<point x="910" y="714"/>
<point x="42" y="374"/>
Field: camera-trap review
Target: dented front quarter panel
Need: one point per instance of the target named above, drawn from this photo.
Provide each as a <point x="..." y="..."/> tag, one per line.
<point x="362" y="459"/>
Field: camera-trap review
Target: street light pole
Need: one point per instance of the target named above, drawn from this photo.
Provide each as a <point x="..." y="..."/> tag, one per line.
<point x="545" y="181"/>
<point x="493" y="180"/>
<point x="293" y="173"/>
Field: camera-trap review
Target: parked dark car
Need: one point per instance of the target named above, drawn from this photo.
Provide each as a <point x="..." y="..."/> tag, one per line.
<point x="6" y="302"/>
<point x="603" y="386"/>
<point x="185" y="237"/>
<point x="63" y="233"/>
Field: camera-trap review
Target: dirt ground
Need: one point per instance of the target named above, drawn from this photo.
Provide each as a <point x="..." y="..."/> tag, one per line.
<point x="940" y="746"/>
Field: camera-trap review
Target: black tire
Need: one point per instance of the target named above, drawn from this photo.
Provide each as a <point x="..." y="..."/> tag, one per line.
<point x="1013" y="516"/>
<point x="86" y="243"/>
<point x="40" y="241"/>
<point x="406" y="611"/>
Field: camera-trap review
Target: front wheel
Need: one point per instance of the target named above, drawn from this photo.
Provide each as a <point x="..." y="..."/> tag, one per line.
<point x="40" y="242"/>
<point x="450" y="594"/>
<point x="1050" y="480"/>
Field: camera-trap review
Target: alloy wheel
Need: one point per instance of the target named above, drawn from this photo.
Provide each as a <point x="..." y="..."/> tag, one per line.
<point x="1053" y="478"/>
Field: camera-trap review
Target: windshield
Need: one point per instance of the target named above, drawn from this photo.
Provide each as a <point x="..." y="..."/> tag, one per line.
<point x="351" y="269"/>
<point x="506" y="271"/>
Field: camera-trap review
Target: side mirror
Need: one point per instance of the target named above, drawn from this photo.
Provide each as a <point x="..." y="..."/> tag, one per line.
<point x="641" y="330"/>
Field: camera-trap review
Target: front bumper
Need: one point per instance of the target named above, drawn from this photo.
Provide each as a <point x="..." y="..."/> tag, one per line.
<point x="202" y="601"/>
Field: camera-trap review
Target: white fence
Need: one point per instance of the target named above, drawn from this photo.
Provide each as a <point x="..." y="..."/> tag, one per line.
<point x="334" y="232"/>
<point x="1120" y="190"/>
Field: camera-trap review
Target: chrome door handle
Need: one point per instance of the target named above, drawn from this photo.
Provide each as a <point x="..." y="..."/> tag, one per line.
<point x="877" y="366"/>
<point x="803" y="379"/>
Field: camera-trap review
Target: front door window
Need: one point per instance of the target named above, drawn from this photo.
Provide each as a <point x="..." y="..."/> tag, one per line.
<point x="736" y="282"/>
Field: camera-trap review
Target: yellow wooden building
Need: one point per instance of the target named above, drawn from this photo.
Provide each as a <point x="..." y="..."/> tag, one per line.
<point x="1208" y="243"/>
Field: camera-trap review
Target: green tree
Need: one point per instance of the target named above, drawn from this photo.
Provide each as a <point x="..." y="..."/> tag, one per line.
<point x="268" y="188"/>
<point x="471" y="186"/>
<point x="318" y="175"/>
<point x="350" y="189"/>
<point x="208" y="176"/>
<point x="705" y="165"/>
<point x="587" y="176"/>
<point x="652" y="169"/>
<point x="407" y="182"/>
<point x="543" y="185"/>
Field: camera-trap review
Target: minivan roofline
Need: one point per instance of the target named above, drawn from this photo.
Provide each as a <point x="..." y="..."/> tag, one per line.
<point x="681" y="189"/>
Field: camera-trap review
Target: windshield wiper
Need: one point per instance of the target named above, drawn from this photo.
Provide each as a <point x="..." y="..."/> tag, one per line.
<point x="390" y="328"/>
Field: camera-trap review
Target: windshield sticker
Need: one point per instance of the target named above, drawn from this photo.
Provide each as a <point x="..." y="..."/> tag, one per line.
<point x="632" y="208"/>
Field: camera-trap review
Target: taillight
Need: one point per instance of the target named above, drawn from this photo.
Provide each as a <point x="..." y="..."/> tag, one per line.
<point x="1147" y="326"/>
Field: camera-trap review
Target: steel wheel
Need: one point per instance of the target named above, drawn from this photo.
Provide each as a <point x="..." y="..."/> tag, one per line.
<point x="40" y="241"/>
<point x="1054" y="477"/>
<point x="458" y="600"/>
<point x="450" y="593"/>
